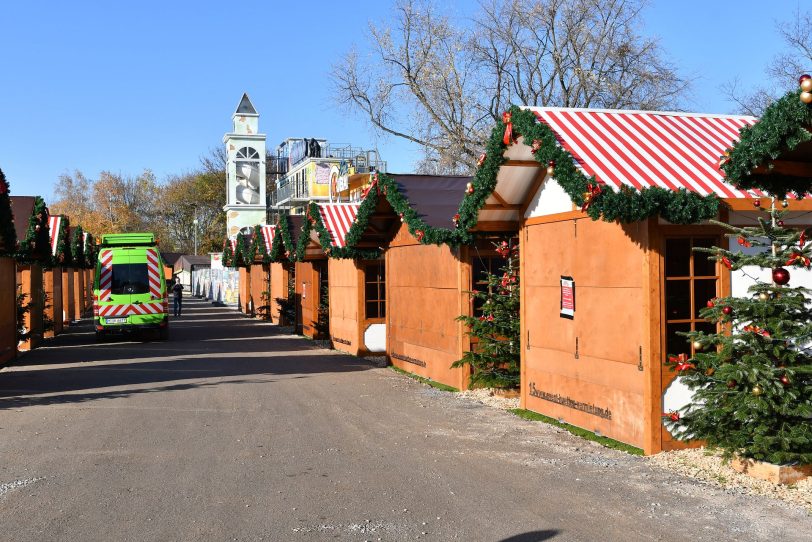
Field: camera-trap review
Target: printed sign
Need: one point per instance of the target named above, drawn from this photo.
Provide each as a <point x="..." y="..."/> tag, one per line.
<point x="567" y="297"/>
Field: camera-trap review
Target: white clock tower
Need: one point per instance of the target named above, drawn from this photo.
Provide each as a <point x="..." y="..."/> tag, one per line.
<point x="245" y="170"/>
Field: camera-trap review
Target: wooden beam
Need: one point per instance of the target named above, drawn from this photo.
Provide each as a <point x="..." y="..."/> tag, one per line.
<point x="537" y="180"/>
<point x="522" y="163"/>
<point x="497" y="225"/>
<point x="499" y="198"/>
<point x="501" y="207"/>
<point x="786" y="167"/>
<point x="746" y="204"/>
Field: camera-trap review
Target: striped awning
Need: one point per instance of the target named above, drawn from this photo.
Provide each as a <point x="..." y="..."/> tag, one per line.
<point x="233" y="242"/>
<point x="643" y="149"/>
<point x="268" y="233"/>
<point x="338" y="218"/>
<point x="54" y="223"/>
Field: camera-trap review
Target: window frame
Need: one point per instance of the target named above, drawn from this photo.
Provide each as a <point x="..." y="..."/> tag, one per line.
<point x="380" y="301"/>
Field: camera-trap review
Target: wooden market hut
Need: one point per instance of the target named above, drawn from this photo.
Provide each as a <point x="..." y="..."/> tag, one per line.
<point x="259" y="254"/>
<point x="356" y="293"/>
<point x="33" y="253"/>
<point x="8" y="278"/>
<point x="286" y="291"/>
<point x="618" y="200"/>
<point x="54" y="275"/>
<point x="437" y="234"/>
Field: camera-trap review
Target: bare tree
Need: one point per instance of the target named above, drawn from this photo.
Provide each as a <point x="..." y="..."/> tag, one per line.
<point x="783" y="72"/>
<point x="442" y="86"/>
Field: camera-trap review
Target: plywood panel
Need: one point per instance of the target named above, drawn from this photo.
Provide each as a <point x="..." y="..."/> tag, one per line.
<point x="68" y="297"/>
<point x="30" y="284"/>
<point x="307" y="291"/>
<point x="279" y="289"/>
<point x="260" y="290"/>
<point x="246" y="301"/>
<point x="346" y="296"/>
<point x="8" y="310"/>
<point x="423" y="304"/>
<point x="52" y="279"/>
<point x="78" y="293"/>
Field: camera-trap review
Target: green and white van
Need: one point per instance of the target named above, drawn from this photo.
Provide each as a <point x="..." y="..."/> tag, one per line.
<point x="129" y="289"/>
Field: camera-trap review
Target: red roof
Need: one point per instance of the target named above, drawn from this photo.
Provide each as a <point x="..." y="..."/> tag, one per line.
<point x="649" y="148"/>
<point x="268" y="233"/>
<point x="54" y="222"/>
<point x="338" y="218"/>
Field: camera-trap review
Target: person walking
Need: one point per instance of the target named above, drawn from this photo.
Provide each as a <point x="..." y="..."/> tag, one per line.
<point x="177" y="292"/>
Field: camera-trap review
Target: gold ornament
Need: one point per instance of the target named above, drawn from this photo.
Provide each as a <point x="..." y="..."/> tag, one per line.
<point x="697" y="345"/>
<point x="806" y="85"/>
<point x="764" y="296"/>
<point x="757" y="390"/>
<point x="806" y="97"/>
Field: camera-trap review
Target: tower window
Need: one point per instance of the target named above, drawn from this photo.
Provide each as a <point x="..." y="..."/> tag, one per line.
<point x="249" y="153"/>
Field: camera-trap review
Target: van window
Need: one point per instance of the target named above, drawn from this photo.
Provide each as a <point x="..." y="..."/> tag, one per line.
<point x="130" y="278"/>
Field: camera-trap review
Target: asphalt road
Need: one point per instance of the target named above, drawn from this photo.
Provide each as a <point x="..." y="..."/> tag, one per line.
<point x="233" y="430"/>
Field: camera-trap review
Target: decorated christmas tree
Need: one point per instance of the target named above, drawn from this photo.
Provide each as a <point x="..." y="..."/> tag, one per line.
<point x="752" y="379"/>
<point x="495" y="354"/>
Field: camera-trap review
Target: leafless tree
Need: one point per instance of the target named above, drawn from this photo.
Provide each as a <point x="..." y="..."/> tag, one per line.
<point x="782" y="74"/>
<point x="442" y="85"/>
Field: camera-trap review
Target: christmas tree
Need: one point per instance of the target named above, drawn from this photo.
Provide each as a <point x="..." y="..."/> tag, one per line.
<point x="495" y="356"/>
<point x="752" y="379"/>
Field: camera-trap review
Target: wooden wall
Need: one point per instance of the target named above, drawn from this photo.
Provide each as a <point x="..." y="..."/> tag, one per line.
<point x="29" y="282"/>
<point x="78" y="293"/>
<point x="8" y="310"/>
<point x="596" y="360"/>
<point x="68" y="298"/>
<point x="89" y="275"/>
<point x="53" y="290"/>
<point x="260" y="283"/>
<point x="346" y="310"/>
<point x="279" y="290"/>
<point x="307" y="295"/>
<point x="246" y="302"/>
<point x="426" y="287"/>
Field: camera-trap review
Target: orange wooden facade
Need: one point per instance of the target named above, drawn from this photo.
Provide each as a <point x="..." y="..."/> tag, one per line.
<point x="427" y="289"/>
<point x="29" y="283"/>
<point x="279" y="289"/>
<point x="68" y="309"/>
<point x="52" y="279"/>
<point x="246" y="302"/>
<point x="260" y="288"/>
<point x="309" y="276"/>
<point x="604" y="369"/>
<point x="78" y="293"/>
<point x="8" y="310"/>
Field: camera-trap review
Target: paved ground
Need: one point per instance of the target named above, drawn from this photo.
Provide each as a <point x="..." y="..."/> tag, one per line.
<point x="233" y="430"/>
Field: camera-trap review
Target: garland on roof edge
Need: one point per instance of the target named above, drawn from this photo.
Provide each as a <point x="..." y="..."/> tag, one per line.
<point x="35" y="247"/>
<point x="8" y="235"/>
<point x="91" y="254"/>
<point x="228" y="253"/>
<point x="77" y="249"/>
<point x="786" y="123"/>
<point x="258" y="248"/>
<point x="282" y="247"/>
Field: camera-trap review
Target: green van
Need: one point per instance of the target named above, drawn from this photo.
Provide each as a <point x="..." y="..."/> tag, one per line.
<point x="129" y="288"/>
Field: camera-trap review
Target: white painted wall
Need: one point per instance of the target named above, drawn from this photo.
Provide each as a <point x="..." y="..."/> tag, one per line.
<point x="549" y="200"/>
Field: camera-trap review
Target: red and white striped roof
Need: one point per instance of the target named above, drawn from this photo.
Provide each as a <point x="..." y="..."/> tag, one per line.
<point x="643" y="149"/>
<point x="268" y="233"/>
<point x="54" y="223"/>
<point x="338" y="218"/>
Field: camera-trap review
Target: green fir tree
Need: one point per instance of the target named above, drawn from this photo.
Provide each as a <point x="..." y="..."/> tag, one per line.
<point x="752" y="380"/>
<point x="495" y="356"/>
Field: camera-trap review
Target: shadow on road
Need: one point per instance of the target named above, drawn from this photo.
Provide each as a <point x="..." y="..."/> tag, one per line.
<point x="231" y="347"/>
<point x="534" y="536"/>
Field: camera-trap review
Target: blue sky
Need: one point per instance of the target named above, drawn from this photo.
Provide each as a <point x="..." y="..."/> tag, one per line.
<point x="127" y="86"/>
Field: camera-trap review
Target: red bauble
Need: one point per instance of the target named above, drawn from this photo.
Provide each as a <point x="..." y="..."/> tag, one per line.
<point x="710" y="303"/>
<point x="780" y="276"/>
<point x="784" y="380"/>
<point x="756" y="203"/>
<point x="728" y="310"/>
<point x="780" y="223"/>
<point x="804" y="77"/>
<point x="732" y="384"/>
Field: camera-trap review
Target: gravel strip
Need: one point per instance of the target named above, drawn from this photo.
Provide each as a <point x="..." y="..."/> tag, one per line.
<point x="487" y="397"/>
<point x="16" y="484"/>
<point x="708" y="466"/>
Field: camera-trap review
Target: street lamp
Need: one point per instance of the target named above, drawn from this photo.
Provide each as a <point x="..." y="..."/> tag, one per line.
<point x="195" y="228"/>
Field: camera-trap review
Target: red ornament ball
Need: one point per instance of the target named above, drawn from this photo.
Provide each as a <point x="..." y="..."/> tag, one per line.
<point x="784" y="380"/>
<point x="780" y="223"/>
<point x="728" y="310"/>
<point x="803" y="78"/>
<point x="780" y="276"/>
<point x="756" y="202"/>
<point x="711" y="304"/>
<point x="732" y="384"/>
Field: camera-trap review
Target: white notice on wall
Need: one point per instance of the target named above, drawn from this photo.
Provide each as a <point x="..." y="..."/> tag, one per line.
<point x="567" y="297"/>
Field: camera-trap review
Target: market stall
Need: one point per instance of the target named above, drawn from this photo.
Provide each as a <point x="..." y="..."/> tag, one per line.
<point x="54" y="275"/>
<point x="8" y="279"/>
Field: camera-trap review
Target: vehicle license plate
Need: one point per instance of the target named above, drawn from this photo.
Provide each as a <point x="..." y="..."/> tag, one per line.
<point x="115" y="320"/>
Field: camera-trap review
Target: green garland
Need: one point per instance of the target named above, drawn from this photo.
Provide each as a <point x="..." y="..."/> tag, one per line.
<point x="257" y="248"/>
<point x="91" y="254"/>
<point x="228" y="254"/>
<point x="241" y="252"/>
<point x="283" y="248"/>
<point x="8" y="235"/>
<point x="326" y="240"/>
<point x="77" y="248"/>
<point x="35" y="247"/>
<point x="786" y="123"/>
